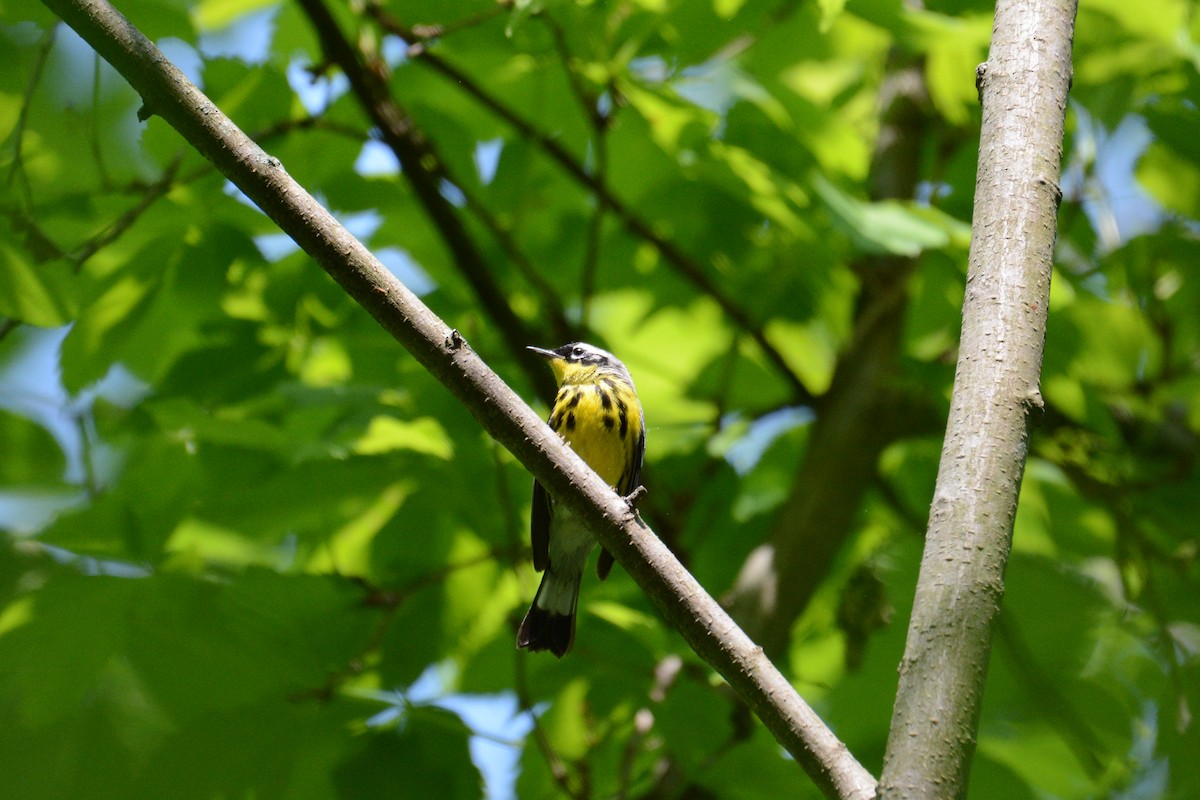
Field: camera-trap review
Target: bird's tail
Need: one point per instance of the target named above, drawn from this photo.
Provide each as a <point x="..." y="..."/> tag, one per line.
<point x="550" y="623"/>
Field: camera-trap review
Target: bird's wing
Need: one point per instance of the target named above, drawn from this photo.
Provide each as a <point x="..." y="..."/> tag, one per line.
<point x="539" y="528"/>
<point x="604" y="563"/>
<point x="633" y="476"/>
<point x="630" y="481"/>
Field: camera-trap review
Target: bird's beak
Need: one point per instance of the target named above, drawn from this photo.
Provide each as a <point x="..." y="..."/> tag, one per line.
<point x="549" y="355"/>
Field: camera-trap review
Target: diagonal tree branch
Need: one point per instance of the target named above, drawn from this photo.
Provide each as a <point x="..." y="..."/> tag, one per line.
<point x="1023" y="87"/>
<point x="442" y="351"/>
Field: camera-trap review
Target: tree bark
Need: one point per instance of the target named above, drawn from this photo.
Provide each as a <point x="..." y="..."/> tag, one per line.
<point x="442" y="351"/>
<point x="1023" y="87"/>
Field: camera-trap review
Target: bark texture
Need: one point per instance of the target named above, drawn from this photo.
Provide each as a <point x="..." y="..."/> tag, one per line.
<point x="1023" y="87"/>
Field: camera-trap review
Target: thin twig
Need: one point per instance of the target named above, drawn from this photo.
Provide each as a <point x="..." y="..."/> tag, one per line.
<point x="591" y="252"/>
<point x="18" y="135"/>
<point x="97" y="150"/>
<point x="554" y="762"/>
<point x="599" y="123"/>
<point x="425" y="32"/>
<point x="512" y="527"/>
<point x="127" y="220"/>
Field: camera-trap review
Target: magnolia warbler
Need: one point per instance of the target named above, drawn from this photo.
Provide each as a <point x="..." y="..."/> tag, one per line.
<point x="597" y="412"/>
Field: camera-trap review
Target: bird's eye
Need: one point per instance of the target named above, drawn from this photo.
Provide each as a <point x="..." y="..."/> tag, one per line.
<point x="577" y="352"/>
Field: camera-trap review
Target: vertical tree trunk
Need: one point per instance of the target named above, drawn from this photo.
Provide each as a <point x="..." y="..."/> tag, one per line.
<point x="1023" y="87"/>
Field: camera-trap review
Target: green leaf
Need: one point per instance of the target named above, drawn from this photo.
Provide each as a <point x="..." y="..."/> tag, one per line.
<point x="565" y="721"/>
<point x="76" y="630"/>
<point x="673" y="124"/>
<point x="32" y="455"/>
<point x="955" y="45"/>
<point x="997" y="780"/>
<point x="213" y="15"/>
<point x="830" y="11"/>
<point x="695" y="719"/>
<point x="424" y="435"/>
<point x="189" y="422"/>
<point x="17" y="11"/>
<point x="435" y="740"/>
<point x="1171" y="179"/>
<point x="109" y="321"/>
<point x="1113" y="342"/>
<point x="479" y="595"/>
<point x="756" y="769"/>
<point x="886" y="226"/>
<point x="38" y="294"/>
<point x="158" y="18"/>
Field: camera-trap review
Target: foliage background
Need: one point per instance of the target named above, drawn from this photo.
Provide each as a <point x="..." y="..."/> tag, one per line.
<point x="252" y="549"/>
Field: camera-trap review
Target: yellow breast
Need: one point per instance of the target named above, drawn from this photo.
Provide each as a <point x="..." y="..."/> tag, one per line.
<point x="602" y="423"/>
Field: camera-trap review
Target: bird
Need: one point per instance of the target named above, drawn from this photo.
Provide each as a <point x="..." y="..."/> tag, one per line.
<point x="597" y="413"/>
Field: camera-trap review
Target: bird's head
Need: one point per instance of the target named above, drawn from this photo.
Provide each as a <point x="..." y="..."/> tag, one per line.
<point x="579" y="362"/>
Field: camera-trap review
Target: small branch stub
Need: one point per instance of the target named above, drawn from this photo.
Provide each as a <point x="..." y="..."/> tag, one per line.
<point x="980" y="77"/>
<point x="1054" y="188"/>
<point x="632" y="498"/>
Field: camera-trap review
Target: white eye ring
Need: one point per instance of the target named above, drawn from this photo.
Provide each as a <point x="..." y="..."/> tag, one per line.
<point x="578" y="351"/>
